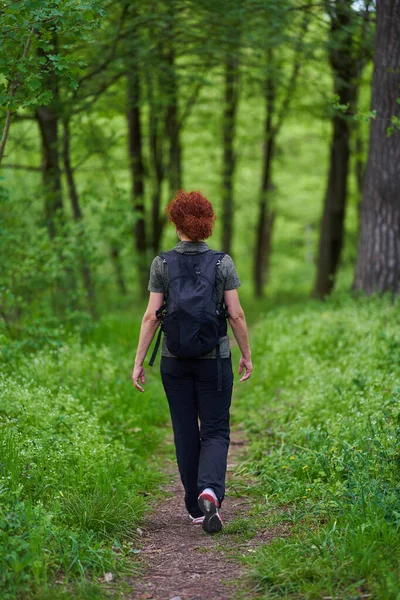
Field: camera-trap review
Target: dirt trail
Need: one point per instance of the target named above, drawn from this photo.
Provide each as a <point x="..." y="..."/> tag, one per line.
<point x="181" y="561"/>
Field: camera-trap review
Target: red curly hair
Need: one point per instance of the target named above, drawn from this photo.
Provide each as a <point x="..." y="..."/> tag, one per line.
<point x="192" y="214"/>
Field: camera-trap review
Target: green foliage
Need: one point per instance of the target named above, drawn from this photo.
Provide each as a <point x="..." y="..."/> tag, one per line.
<point x="75" y="462"/>
<point x="27" y="25"/>
<point x="358" y="116"/>
<point x="40" y="277"/>
<point x="394" y="125"/>
<point x="324" y="416"/>
<point x="336" y="105"/>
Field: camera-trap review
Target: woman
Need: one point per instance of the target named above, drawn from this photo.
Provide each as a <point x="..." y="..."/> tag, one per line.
<point x="197" y="387"/>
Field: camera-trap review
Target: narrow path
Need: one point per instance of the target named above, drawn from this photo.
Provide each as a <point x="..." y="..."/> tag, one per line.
<point x="180" y="560"/>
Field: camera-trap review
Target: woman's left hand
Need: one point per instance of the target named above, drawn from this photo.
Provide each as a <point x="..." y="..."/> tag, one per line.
<point x="138" y="375"/>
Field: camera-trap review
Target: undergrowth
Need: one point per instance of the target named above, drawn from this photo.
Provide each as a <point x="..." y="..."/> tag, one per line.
<point x="76" y="462"/>
<point x="323" y="418"/>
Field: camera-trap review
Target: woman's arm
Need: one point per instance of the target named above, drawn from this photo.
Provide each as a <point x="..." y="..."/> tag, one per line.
<point x="148" y="328"/>
<point x="237" y="321"/>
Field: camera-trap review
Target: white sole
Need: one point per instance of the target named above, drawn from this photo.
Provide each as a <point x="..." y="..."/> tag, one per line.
<point x="196" y="521"/>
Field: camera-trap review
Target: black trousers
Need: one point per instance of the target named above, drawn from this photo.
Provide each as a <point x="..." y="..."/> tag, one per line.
<point x="191" y="386"/>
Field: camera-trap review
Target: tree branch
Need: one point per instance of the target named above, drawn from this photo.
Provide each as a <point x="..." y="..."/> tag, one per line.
<point x="189" y="105"/>
<point x="295" y="72"/>
<point x="95" y="96"/>
<point x="18" y="117"/>
<point x="13" y="88"/>
<point x="113" y="49"/>
<point x="4" y="8"/>
<point x="21" y="167"/>
<point x="308" y="6"/>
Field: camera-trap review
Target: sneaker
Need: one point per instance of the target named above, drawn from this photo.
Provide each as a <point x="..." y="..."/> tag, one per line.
<point x="208" y="503"/>
<point x="196" y="520"/>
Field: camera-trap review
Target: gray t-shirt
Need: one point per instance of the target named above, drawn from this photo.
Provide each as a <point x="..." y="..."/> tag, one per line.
<point x="226" y="279"/>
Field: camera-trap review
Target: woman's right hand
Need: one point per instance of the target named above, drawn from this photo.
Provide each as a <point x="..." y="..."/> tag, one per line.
<point x="138" y="375"/>
<point x="247" y="365"/>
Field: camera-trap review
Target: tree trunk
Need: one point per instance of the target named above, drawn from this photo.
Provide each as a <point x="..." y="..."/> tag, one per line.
<point x="263" y="245"/>
<point x="116" y="261"/>
<point x="228" y="170"/>
<point x="265" y="216"/>
<point x="332" y="224"/>
<point x="157" y="160"/>
<point x="64" y="297"/>
<point x="48" y="120"/>
<point x="359" y="164"/>
<point x="172" y="128"/>
<point x="156" y="217"/>
<point x="378" y="259"/>
<point x="171" y="93"/>
<point x="78" y="218"/>
<point x="344" y="68"/>
<point x="135" y="148"/>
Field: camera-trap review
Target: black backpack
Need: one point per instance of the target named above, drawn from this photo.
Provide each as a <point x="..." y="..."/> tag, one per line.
<point x="190" y="317"/>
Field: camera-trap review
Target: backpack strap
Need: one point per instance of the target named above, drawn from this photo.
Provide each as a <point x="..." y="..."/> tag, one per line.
<point x="222" y="309"/>
<point x="221" y="306"/>
<point x="159" y="313"/>
<point x="222" y="314"/>
<point x="156" y="347"/>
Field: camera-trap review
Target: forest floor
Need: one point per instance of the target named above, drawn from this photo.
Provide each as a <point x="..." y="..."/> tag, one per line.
<point x="181" y="561"/>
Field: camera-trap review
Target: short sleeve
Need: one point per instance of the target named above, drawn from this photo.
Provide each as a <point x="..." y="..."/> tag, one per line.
<point x="156" y="280"/>
<point x="229" y="274"/>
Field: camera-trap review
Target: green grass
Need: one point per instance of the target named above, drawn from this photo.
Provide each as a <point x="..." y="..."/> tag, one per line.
<point x="77" y="462"/>
<point x="323" y="416"/>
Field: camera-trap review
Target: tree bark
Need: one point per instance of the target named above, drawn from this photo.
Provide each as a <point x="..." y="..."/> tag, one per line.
<point x="156" y="135"/>
<point x="48" y="120"/>
<point x="265" y="216"/>
<point x="228" y="134"/>
<point x="172" y="127"/>
<point x="378" y="260"/>
<point x="73" y="192"/>
<point x="119" y="274"/>
<point x="78" y="218"/>
<point x="170" y="89"/>
<point x="344" y="67"/>
<point x="359" y="162"/>
<point x="135" y="149"/>
<point x="332" y="224"/>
